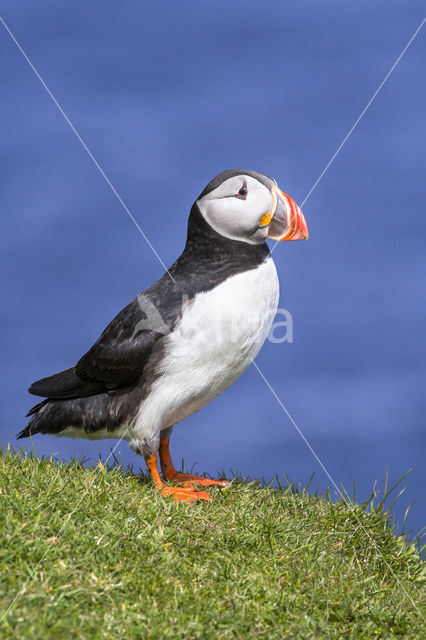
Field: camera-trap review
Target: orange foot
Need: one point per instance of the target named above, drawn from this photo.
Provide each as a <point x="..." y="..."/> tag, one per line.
<point x="187" y="495"/>
<point x="180" y="494"/>
<point x="188" y="480"/>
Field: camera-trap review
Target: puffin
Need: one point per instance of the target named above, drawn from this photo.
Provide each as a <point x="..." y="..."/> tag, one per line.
<point x="186" y="338"/>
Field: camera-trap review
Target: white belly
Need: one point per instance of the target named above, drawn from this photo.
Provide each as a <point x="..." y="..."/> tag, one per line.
<point x="220" y="332"/>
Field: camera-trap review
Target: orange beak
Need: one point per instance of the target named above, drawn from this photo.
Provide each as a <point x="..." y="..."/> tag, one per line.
<point x="287" y="221"/>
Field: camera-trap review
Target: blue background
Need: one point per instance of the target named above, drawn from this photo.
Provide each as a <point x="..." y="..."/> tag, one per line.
<point x="166" y="95"/>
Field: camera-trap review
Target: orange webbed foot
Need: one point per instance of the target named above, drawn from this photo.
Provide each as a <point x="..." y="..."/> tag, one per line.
<point x="180" y="494"/>
<point x="185" y="494"/>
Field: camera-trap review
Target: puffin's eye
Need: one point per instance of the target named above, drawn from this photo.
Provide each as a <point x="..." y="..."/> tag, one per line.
<point x="242" y="193"/>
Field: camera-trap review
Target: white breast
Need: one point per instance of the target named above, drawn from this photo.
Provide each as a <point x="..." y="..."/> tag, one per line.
<point x="214" y="342"/>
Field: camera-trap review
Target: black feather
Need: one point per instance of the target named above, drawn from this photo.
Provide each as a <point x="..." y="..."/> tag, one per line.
<point x="25" y="433"/>
<point x="65" y="384"/>
<point x="36" y="407"/>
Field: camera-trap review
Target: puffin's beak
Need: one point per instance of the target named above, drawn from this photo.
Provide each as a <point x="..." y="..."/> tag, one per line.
<point x="287" y="221"/>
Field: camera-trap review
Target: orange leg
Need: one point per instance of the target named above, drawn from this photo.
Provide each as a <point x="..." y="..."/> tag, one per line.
<point x="180" y="494"/>
<point x="170" y="472"/>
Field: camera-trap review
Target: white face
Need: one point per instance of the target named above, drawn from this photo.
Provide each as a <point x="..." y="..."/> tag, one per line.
<point x="236" y="207"/>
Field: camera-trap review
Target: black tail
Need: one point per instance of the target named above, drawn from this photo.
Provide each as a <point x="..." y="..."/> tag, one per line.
<point x="31" y="428"/>
<point x="65" y="408"/>
<point x="54" y="414"/>
<point x="26" y="432"/>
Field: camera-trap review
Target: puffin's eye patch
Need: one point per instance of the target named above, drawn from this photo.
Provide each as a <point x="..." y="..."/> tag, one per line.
<point x="242" y="194"/>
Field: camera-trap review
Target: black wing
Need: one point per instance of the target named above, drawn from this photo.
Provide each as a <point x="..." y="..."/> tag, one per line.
<point x="116" y="359"/>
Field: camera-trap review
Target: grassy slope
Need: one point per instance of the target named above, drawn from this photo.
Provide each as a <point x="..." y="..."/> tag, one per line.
<point x="123" y="562"/>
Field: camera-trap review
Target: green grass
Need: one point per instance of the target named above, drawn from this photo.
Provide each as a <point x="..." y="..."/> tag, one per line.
<point x="116" y="560"/>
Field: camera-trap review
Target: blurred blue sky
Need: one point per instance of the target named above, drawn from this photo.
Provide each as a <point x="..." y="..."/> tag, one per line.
<point x="166" y="96"/>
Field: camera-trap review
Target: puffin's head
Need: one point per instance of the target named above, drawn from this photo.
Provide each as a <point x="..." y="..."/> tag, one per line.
<point x="248" y="206"/>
